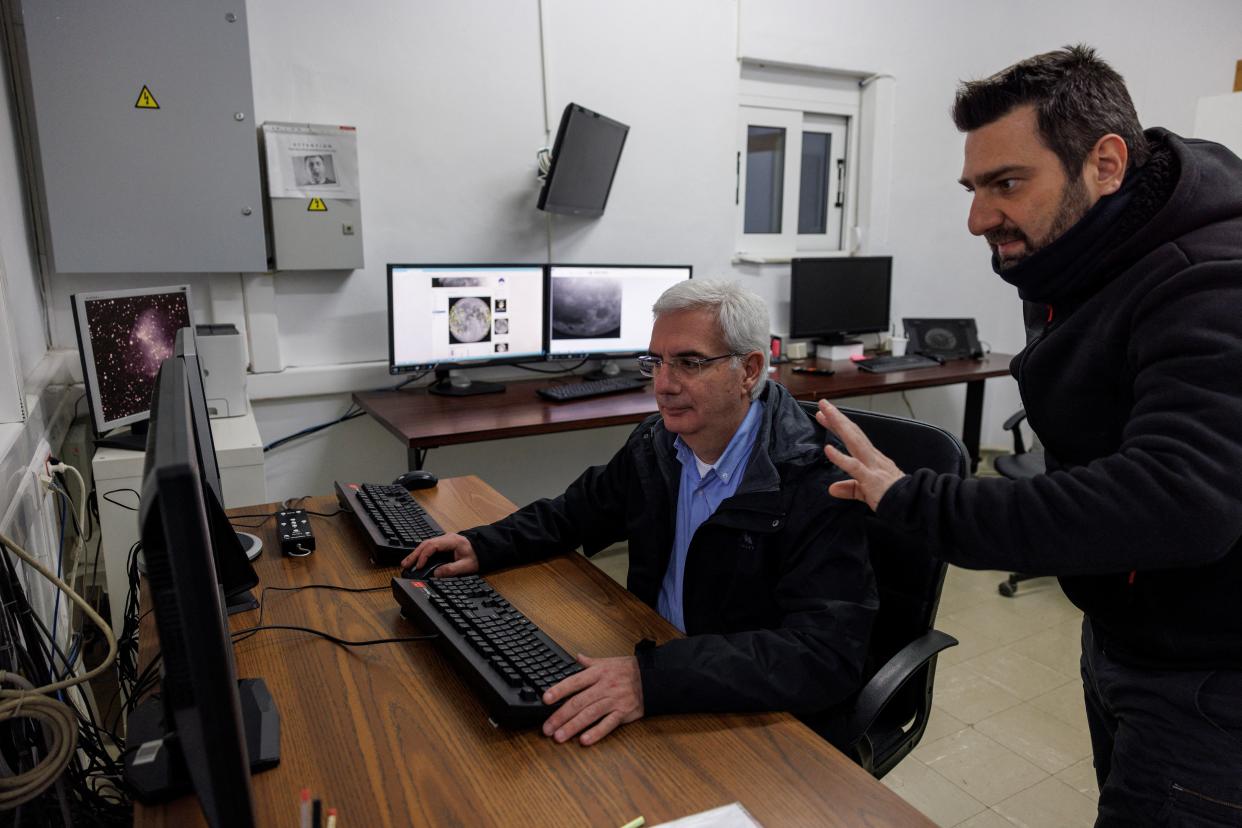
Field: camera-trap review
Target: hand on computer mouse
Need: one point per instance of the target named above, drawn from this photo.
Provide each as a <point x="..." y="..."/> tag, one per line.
<point x="465" y="562"/>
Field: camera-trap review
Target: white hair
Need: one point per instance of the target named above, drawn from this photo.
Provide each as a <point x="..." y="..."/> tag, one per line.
<point x="741" y="315"/>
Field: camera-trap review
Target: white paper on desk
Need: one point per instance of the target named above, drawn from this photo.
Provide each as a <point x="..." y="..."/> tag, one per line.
<point x="726" y="816"/>
<point x="311" y="161"/>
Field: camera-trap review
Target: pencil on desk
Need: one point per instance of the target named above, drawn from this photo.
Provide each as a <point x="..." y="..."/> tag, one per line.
<point x="332" y="818"/>
<point x="636" y="822"/>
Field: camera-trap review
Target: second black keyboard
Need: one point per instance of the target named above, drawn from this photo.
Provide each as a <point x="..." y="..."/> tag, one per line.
<point x="592" y="388"/>
<point x="907" y="362"/>
<point x="393" y="520"/>
<point x="505" y="658"/>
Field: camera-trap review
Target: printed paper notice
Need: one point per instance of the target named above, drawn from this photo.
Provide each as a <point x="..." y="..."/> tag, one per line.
<point x="733" y="815"/>
<point x="310" y="161"/>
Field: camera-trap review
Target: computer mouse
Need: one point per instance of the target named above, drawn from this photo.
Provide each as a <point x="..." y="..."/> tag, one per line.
<point x="416" y="479"/>
<point x="426" y="570"/>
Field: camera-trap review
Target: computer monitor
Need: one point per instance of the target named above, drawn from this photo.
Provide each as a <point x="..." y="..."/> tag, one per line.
<point x="186" y="349"/>
<point x="604" y="311"/>
<point x="460" y="316"/>
<point x="832" y="298"/>
<point x="123" y="336"/>
<point x="205" y="732"/>
<point x="584" y="162"/>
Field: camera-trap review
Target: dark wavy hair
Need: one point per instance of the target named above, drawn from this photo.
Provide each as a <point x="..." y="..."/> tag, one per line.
<point x="1078" y="99"/>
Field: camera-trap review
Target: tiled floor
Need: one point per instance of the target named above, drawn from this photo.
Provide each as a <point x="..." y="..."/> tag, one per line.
<point x="1007" y="742"/>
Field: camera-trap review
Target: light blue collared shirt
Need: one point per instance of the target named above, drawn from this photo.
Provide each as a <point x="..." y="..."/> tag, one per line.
<point x="698" y="497"/>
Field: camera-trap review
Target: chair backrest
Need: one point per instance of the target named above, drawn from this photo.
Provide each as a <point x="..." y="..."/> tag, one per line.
<point x="908" y="576"/>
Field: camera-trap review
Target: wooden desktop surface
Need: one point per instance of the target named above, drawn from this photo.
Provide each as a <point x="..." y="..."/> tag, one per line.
<point x="422" y="420"/>
<point x="390" y="734"/>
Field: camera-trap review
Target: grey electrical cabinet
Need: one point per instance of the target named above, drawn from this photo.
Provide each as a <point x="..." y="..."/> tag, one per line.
<point x="138" y="120"/>
<point x="313" y="196"/>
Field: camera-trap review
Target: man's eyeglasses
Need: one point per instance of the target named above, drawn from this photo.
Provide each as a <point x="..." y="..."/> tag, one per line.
<point x="685" y="366"/>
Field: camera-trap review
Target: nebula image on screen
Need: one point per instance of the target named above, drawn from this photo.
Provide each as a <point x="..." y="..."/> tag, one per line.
<point x="130" y="336"/>
<point x="586" y="308"/>
<point x="470" y="319"/>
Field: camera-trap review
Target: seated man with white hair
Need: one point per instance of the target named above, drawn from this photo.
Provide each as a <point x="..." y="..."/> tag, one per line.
<point x="721" y="497"/>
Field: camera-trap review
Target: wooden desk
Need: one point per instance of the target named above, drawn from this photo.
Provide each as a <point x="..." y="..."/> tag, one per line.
<point x="423" y="421"/>
<point x="390" y="735"/>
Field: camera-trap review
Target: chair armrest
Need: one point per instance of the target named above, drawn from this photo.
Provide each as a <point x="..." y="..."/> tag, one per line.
<point x="1012" y="422"/>
<point x="890" y="678"/>
<point x="1019" y="447"/>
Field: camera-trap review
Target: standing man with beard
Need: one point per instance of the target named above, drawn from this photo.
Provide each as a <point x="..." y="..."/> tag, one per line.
<point x="1131" y="244"/>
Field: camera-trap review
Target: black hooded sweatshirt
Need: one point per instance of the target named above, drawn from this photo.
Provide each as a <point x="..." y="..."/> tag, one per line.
<point x="1134" y="386"/>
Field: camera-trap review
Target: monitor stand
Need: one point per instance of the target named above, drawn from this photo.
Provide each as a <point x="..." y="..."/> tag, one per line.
<point x="251" y="545"/>
<point x="161" y="773"/>
<point x="134" y="440"/>
<point x="607" y="369"/>
<point x="461" y="386"/>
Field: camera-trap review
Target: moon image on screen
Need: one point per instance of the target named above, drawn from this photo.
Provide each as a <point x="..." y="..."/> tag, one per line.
<point x="586" y="308"/>
<point x="470" y="319"/>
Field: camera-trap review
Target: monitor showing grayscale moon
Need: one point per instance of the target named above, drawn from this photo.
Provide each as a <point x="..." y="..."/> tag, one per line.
<point x="470" y="319"/>
<point x="587" y="308"/>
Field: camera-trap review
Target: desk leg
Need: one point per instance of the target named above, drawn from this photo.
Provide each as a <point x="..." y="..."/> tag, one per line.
<point x="972" y="426"/>
<point x="415" y="457"/>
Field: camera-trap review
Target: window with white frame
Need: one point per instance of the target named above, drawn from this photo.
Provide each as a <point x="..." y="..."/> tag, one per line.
<point x="797" y="135"/>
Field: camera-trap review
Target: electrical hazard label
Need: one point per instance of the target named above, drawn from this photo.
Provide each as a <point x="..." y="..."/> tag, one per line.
<point x="146" y="100"/>
<point x="317" y="206"/>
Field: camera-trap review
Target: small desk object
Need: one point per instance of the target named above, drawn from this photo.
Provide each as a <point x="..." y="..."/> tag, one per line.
<point x="390" y="734"/>
<point x="423" y="421"/>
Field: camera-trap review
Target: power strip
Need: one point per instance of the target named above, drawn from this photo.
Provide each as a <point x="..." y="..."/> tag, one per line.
<point x="293" y="530"/>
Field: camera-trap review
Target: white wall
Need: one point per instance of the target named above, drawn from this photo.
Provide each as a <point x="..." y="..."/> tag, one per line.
<point x="17" y="251"/>
<point x="447" y="98"/>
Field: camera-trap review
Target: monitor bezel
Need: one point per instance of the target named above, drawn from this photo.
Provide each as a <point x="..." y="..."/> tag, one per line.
<point x="826" y="332"/>
<point x="86" y="351"/>
<point x="412" y="368"/>
<point x="576" y="110"/>
<point x="547" y="309"/>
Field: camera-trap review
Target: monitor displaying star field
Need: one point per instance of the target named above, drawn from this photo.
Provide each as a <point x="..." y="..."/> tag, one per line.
<point x="125" y="335"/>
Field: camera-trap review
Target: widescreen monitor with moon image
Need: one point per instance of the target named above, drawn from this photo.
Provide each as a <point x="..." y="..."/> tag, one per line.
<point x="458" y="316"/>
<point x="123" y="337"/>
<point x="604" y="311"/>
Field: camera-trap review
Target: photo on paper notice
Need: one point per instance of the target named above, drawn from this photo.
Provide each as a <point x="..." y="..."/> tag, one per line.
<point x="316" y="169"/>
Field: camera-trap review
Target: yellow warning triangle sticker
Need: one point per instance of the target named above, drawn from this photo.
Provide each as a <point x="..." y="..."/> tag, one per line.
<point x="146" y="100"/>
<point x="317" y="206"/>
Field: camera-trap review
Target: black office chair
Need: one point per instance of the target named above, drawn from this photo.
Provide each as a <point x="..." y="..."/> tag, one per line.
<point x="1021" y="464"/>
<point x="888" y="716"/>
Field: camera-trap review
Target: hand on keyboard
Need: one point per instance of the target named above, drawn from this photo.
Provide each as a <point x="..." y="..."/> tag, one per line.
<point x="608" y="693"/>
<point x="465" y="562"/>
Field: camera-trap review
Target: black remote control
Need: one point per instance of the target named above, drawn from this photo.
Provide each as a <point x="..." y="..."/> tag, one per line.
<point x="293" y="528"/>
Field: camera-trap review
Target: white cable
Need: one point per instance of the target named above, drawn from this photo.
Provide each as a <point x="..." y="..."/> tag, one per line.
<point x="60" y="726"/>
<point x="65" y="467"/>
<point x="86" y="608"/>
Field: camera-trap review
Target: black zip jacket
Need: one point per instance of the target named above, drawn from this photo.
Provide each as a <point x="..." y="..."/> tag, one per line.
<point x="779" y="594"/>
<point x="1135" y="389"/>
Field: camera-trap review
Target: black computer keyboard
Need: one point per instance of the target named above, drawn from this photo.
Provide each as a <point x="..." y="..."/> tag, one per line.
<point x="592" y="388"/>
<point x="907" y="362"/>
<point x="391" y="518"/>
<point x="508" y="660"/>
